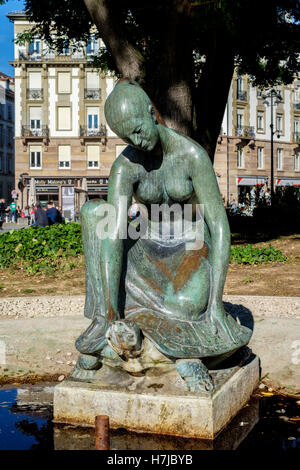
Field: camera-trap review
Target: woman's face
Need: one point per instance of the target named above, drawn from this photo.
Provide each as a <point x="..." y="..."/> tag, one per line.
<point x="139" y="130"/>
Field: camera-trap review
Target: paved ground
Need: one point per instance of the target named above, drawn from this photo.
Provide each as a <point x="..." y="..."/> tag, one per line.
<point x="41" y="340"/>
<point x="6" y="227"/>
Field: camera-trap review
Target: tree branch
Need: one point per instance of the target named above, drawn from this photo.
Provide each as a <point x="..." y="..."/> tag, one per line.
<point x="129" y="61"/>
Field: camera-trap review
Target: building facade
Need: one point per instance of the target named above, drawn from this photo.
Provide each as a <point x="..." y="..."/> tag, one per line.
<point x="7" y="148"/>
<point x="61" y="137"/>
<point x="243" y="152"/>
<point x="63" y="143"/>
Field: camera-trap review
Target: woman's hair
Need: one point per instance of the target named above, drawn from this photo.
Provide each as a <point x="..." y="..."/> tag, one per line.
<point x="135" y="98"/>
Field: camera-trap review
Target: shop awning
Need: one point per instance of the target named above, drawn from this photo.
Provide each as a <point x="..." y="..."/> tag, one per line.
<point x="250" y="180"/>
<point x="287" y="181"/>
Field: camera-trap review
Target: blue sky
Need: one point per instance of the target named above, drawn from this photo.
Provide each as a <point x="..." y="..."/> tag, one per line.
<point x="7" y="35"/>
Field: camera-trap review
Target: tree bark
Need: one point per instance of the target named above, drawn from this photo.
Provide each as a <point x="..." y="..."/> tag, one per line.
<point x="172" y="90"/>
<point x="212" y="92"/>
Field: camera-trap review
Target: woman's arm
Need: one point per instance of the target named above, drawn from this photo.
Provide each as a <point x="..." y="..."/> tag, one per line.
<point x="208" y="194"/>
<point x="111" y="257"/>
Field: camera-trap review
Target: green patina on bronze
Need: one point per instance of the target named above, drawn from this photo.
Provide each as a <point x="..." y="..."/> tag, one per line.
<point x="173" y="294"/>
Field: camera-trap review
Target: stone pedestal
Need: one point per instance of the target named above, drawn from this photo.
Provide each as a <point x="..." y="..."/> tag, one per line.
<point x="157" y="404"/>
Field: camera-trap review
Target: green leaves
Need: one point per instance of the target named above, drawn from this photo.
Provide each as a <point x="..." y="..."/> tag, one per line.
<point x="37" y="248"/>
<point x="251" y="255"/>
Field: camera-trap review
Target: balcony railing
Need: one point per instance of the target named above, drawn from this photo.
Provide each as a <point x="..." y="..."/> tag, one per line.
<point x="28" y="132"/>
<point x="86" y="132"/>
<point x="241" y="95"/>
<point x="92" y="93"/>
<point x="297" y="137"/>
<point x="35" y="93"/>
<point x="246" y="132"/>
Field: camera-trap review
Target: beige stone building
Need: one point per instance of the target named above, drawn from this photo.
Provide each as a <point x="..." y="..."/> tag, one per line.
<point x="243" y="152"/>
<point x="61" y="137"/>
<point x="63" y="144"/>
<point x="7" y="150"/>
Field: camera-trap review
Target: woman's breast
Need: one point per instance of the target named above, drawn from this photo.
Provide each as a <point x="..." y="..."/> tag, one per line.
<point x="159" y="188"/>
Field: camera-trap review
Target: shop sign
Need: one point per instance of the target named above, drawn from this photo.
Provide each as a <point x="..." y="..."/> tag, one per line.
<point x="46" y="181"/>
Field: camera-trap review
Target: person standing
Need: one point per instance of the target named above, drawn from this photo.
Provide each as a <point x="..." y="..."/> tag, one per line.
<point x="41" y="219"/>
<point x="32" y="216"/>
<point x="53" y="214"/>
<point x="13" y="212"/>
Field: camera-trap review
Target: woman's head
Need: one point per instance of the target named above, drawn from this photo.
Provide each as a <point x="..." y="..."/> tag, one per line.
<point x="131" y="115"/>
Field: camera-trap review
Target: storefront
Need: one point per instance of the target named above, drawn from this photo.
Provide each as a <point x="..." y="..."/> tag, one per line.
<point x="67" y="193"/>
<point x="246" y="184"/>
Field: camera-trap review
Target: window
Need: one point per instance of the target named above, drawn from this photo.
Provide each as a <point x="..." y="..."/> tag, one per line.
<point x="93" y="120"/>
<point x="64" y="118"/>
<point x="63" y="46"/>
<point x="93" y="156"/>
<point x="239" y="82"/>
<point x="35" y="47"/>
<point x="279" y="118"/>
<point x="10" y="164"/>
<point x="64" y="156"/>
<point x="1" y="161"/>
<point x="259" y="93"/>
<point x="35" y="153"/>
<point x="9" y="112"/>
<point x="239" y="119"/>
<point x="240" y="157"/>
<point x="296" y="160"/>
<point x="296" y="131"/>
<point x="35" y="80"/>
<point x="92" y="80"/>
<point x="1" y="136"/>
<point x="279" y="159"/>
<point x="92" y="46"/>
<point x="35" y="119"/>
<point x="63" y="82"/>
<point x="260" y="158"/>
<point x="260" y="121"/>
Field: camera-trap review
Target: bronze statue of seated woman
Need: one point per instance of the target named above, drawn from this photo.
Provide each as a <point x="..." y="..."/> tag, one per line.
<point x="161" y="290"/>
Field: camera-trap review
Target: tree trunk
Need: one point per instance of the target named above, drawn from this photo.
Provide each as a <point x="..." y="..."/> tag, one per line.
<point x="127" y="58"/>
<point x="171" y="91"/>
<point x="212" y="93"/>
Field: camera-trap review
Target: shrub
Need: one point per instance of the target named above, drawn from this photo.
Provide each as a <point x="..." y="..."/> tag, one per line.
<point x="43" y="244"/>
<point x="251" y="255"/>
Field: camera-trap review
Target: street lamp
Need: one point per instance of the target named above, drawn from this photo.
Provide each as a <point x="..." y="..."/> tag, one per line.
<point x="271" y="95"/>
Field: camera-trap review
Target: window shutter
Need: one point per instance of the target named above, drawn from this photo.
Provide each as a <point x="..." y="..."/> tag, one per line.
<point x="35" y="112"/>
<point x="93" y="153"/>
<point x="64" y="82"/>
<point x="92" y="80"/>
<point x="35" y="80"/>
<point x="64" y="153"/>
<point x="64" y="118"/>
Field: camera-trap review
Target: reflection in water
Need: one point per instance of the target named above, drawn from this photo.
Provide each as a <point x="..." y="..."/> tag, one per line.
<point x="26" y="423"/>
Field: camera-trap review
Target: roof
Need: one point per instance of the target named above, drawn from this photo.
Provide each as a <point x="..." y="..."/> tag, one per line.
<point x="16" y="14"/>
<point x="3" y="76"/>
